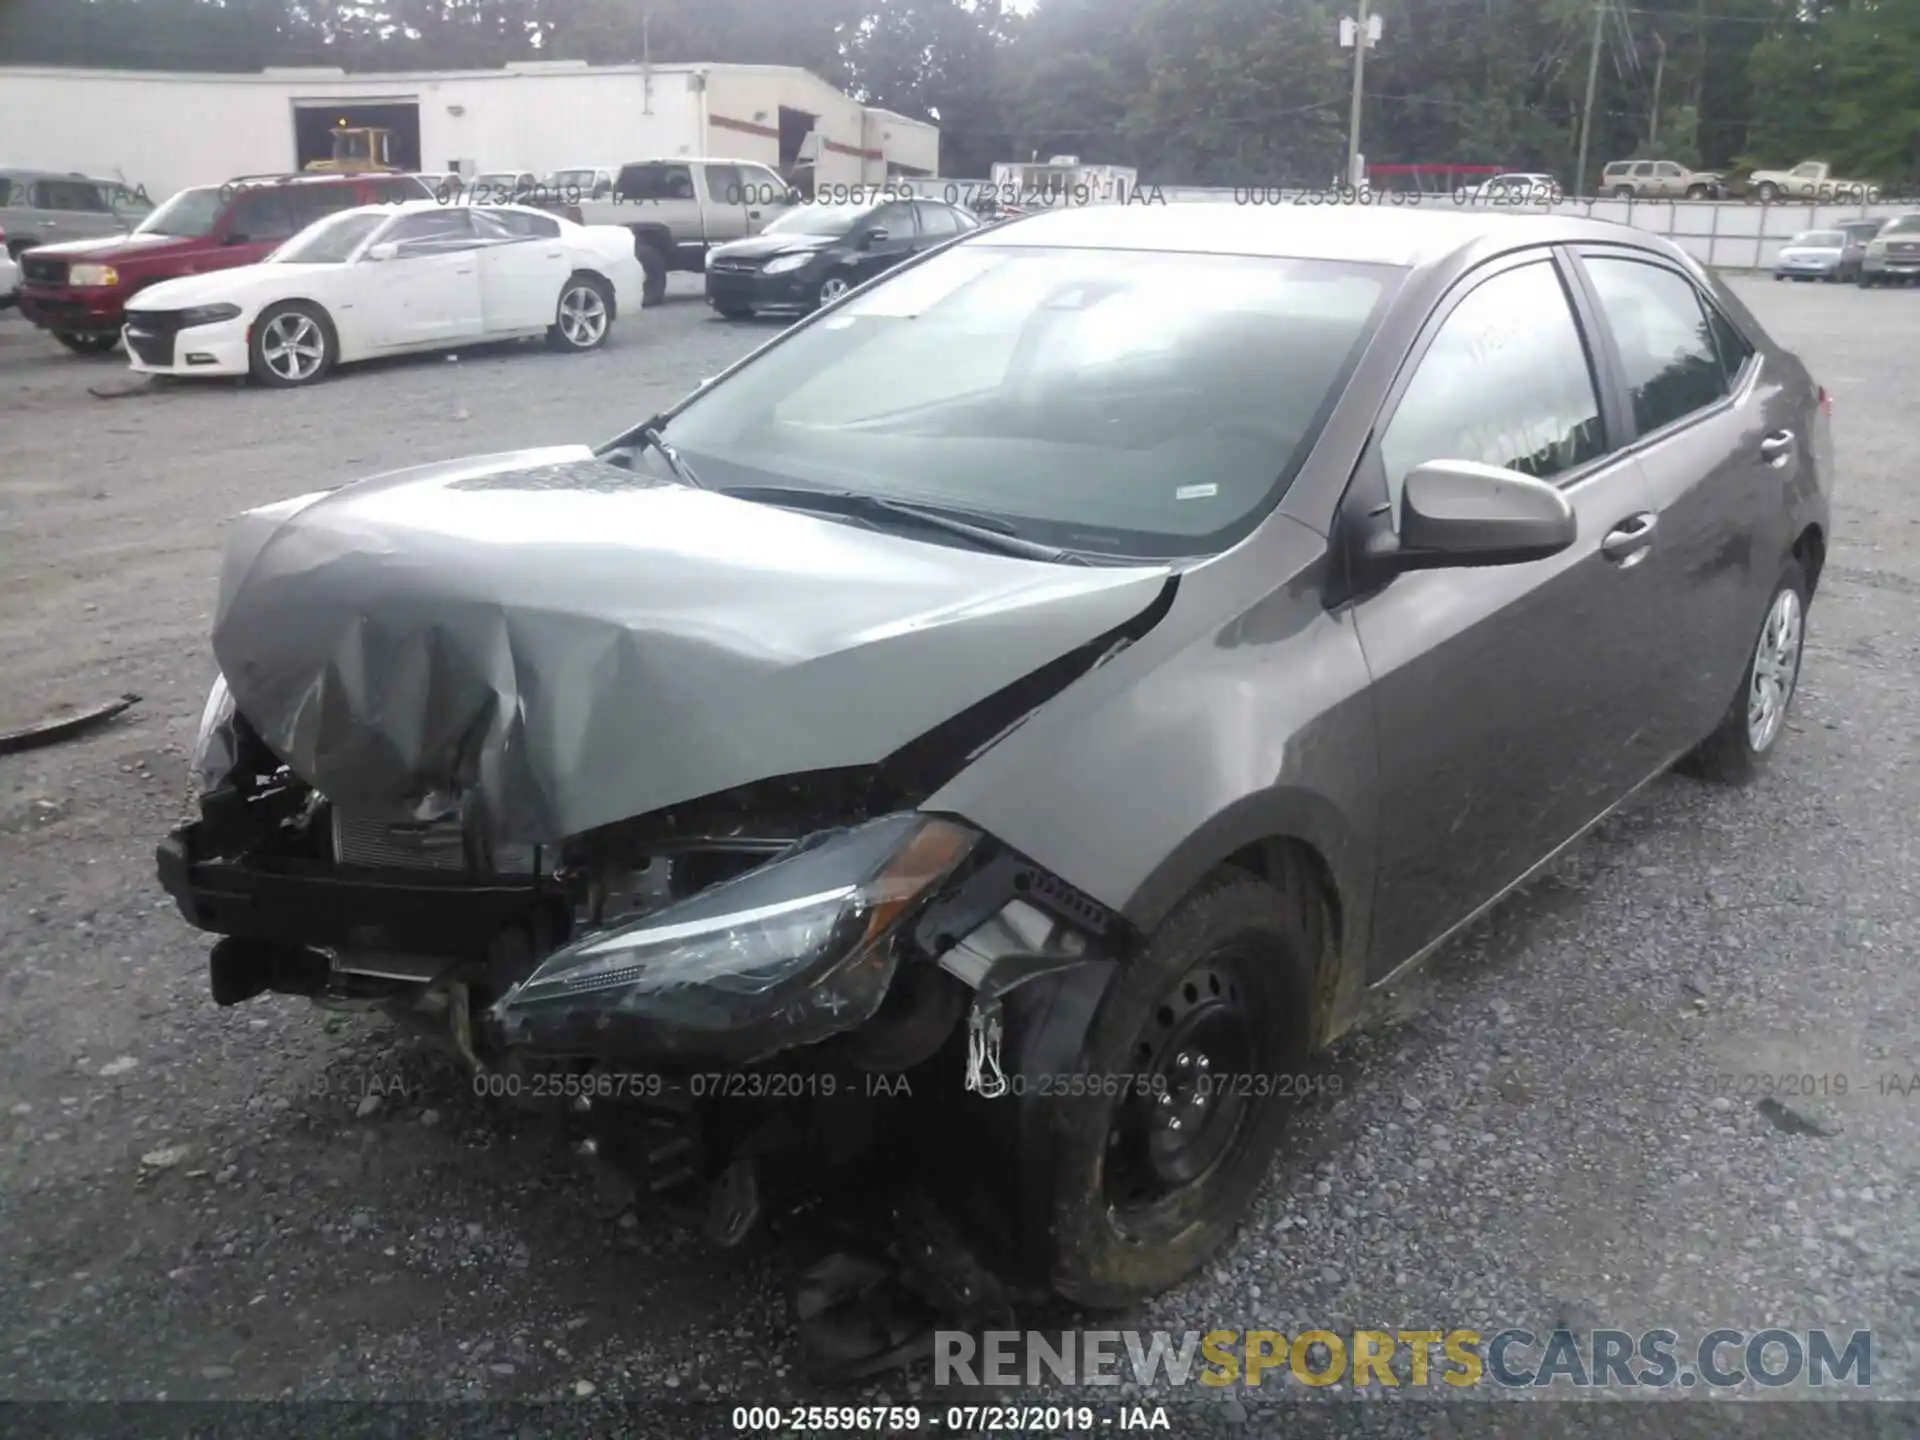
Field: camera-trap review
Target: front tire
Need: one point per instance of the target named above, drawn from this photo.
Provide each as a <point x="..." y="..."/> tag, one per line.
<point x="1768" y="193"/>
<point x="291" y="344"/>
<point x="1750" y="731"/>
<point x="831" y="289"/>
<point x="87" y="342"/>
<point x="1147" y="1185"/>
<point x="583" y="316"/>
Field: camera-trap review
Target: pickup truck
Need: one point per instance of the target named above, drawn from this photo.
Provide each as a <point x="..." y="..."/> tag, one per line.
<point x="1809" y="180"/>
<point x="678" y="210"/>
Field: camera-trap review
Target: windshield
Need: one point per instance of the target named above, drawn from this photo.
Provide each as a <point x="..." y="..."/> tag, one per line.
<point x="330" y="242"/>
<point x="1110" y="402"/>
<point x="571" y="179"/>
<point x="1904" y="225"/>
<point x="1820" y="239"/>
<point x="818" y="220"/>
<point x="190" y="214"/>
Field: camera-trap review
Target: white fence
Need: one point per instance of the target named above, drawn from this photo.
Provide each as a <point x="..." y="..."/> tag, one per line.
<point x="1724" y="234"/>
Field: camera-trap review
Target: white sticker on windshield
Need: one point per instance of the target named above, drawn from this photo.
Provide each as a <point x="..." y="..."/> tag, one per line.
<point x="1196" y="492"/>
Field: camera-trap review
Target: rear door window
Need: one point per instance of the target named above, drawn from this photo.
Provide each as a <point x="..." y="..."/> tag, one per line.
<point x="71" y="195"/>
<point x="1666" y="342"/>
<point x="263" y="214"/>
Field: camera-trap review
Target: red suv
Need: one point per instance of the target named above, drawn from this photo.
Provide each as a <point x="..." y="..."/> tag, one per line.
<point x="78" y="290"/>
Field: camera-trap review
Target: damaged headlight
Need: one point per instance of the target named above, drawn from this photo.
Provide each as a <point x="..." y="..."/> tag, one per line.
<point x="216" y="749"/>
<point x="782" y="956"/>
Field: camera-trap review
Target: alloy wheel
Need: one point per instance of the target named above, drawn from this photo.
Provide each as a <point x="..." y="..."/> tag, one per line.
<point x="1776" y="669"/>
<point x="832" y="289"/>
<point x="293" y="347"/>
<point x="583" y="316"/>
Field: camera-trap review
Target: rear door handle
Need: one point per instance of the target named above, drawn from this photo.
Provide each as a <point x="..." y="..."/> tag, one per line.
<point x="1628" y="540"/>
<point x="1777" y="446"/>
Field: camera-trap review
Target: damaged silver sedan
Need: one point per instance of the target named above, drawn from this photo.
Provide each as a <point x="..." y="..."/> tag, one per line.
<point x="1019" y="715"/>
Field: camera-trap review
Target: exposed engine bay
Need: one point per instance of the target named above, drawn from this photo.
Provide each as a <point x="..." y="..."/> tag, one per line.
<point x="736" y="1002"/>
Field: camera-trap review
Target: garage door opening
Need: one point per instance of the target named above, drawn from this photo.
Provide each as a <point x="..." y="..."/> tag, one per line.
<point x="795" y="126"/>
<point x="314" y="124"/>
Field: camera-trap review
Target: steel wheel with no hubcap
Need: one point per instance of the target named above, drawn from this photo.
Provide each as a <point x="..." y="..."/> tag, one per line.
<point x="1776" y="669"/>
<point x="583" y="316"/>
<point x="293" y="347"/>
<point x="1171" y="1131"/>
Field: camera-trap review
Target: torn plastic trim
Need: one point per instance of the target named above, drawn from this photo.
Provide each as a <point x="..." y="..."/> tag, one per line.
<point x="786" y="955"/>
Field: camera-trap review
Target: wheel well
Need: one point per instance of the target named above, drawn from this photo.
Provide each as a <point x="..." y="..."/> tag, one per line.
<point x="1811" y="551"/>
<point x="321" y="313"/>
<point x="1302" y="874"/>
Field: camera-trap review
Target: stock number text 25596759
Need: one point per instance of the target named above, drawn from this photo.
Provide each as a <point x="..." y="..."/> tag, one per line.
<point x="1338" y="195"/>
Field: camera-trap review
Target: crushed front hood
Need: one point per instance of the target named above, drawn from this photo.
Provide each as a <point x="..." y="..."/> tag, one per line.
<point x="565" y="643"/>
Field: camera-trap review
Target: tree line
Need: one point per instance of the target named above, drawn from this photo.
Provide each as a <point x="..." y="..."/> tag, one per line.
<point x="1189" y="91"/>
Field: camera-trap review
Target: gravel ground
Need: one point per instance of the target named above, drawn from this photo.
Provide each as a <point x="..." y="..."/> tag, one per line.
<point x="264" y="1203"/>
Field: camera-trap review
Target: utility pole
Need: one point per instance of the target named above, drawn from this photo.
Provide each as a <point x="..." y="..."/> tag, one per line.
<point x="1360" y="34"/>
<point x="1659" y="70"/>
<point x="1586" y="114"/>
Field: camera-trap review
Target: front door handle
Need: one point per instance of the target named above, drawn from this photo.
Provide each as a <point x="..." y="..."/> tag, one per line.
<point x="1776" y="447"/>
<point x="1627" y="542"/>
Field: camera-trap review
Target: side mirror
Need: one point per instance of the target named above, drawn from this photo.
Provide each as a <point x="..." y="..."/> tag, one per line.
<point x="385" y="250"/>
<point x="1458" y="513"/>
<point x="874" y="236"/>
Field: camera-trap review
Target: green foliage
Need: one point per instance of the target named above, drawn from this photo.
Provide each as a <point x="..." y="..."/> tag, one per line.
<point x="1190" y="91"/>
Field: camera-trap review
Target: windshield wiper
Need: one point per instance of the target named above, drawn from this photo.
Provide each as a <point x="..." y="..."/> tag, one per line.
<point x="985" y="531"/>
<point x="651" y="438"/>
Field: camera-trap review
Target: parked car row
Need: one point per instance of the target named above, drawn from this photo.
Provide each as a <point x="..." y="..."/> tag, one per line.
<point x="284" y="277"/>
<point x="1868" y="252"/>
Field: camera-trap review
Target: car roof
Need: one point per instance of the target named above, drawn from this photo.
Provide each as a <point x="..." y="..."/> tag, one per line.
<point x="16" y="172"/>
<point x="423" y="207"/>
<point x="302" y="177"/>
<point x="1406" y="236"/>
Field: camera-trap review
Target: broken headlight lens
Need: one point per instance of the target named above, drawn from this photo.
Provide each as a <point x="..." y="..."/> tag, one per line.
<point x="216" y="749"/>
<point x="782" y="956"/>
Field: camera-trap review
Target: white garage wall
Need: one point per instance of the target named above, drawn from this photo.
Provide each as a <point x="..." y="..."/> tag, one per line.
<point x="167" y="131"/>
<point x="161" y="131"/>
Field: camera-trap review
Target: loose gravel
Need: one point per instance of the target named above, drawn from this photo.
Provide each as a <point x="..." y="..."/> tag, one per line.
<point x="1550" y="1127"/>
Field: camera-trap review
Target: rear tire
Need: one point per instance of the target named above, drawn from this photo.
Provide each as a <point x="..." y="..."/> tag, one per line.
<point x="1623" y="192"/>
<point x="1751" y="730"/>
<point x="654" y="290"/>
<point x="87" y="342"/>
<point x="583" y="315"/>
<point x="1138" y="1205"/>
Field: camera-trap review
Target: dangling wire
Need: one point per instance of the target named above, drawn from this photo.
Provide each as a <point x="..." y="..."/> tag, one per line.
<point x="983" y="1055"/>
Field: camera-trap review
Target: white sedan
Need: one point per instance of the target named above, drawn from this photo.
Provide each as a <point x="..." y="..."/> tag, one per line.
<point x="387" y="280"/>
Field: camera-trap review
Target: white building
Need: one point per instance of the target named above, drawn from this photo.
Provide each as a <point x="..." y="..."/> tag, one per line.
<point x="166" y="130"/>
